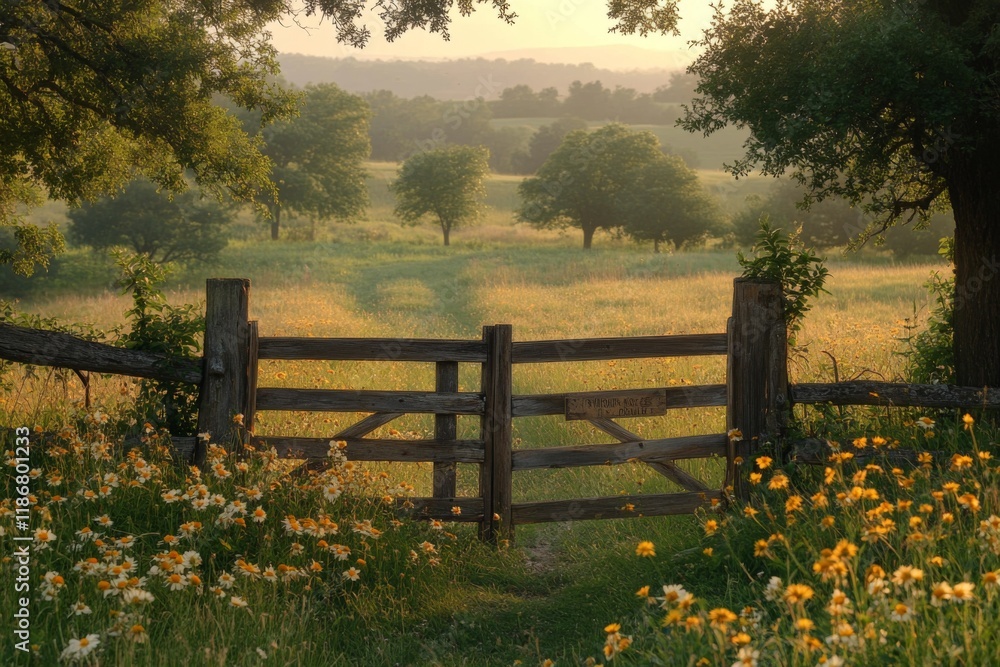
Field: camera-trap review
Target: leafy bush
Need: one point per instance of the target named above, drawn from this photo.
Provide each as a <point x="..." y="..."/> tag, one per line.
<point x="184" y="228"/>
<point x="930" y="355"/>
<point x="156" y="326"/>
<point x="781" y="256"/>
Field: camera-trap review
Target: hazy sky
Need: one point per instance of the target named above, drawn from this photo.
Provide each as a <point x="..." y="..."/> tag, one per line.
<point x="540" y="23"/>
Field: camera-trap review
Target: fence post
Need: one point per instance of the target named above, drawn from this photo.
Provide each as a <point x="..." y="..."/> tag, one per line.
<point x="253" y="361"/>
<point x="497" y="433"/>
<point x="503" y="429"/>
<point x="777" y="382"/>
<point x="445" y="428"/>
<point x="757" y="312"/>
<point x="225" y="380"/>
<point x="486" y="526"/>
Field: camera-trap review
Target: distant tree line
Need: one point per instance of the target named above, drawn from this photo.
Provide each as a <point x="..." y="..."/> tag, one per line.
<point x="401" y="127"/>
<point x="590" y="101"/>
<point x="452" y="79"/>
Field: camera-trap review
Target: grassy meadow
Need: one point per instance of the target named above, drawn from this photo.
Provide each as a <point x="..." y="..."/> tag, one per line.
<point x="548" y="596"/>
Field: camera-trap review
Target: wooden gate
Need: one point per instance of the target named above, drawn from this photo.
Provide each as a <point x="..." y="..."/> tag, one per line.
<point x="754" y="388"/>
<point x="600" y="409"/>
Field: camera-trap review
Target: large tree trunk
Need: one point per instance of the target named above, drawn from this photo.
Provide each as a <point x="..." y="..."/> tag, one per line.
<point x="974" y="189"/>
<point x="275" y="221"/>
<point x="446" y="229"/>
<point x="588" y="237"/>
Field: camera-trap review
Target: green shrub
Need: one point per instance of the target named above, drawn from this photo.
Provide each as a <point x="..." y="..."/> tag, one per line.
<point x="930" y="354"/>
<point x="781" y="256"/>
<point x="175" y="331"/>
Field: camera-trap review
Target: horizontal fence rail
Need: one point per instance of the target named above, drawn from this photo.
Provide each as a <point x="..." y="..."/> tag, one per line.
<point x="895" y="394"/>
<point x="694" y="396"/>
<point x="346" y="400"/>
<point x="373" y="449"/>
<point x="572" y="456"/>
<point x="371" y="349"/>
<point x="604" y="349"/>
<point x="443" y="509"/>
<point x="54" y="348"/>
<point x="614" y="507"/>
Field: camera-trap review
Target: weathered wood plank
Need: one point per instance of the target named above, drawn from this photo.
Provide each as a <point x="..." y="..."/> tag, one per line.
<point x="357" y="430"/>
<point x="729" y="479"/>
<point x="757" y="307"/>
<point x="344" y="400"/>
<point x="614" y="507"/>
<point x="225" y="383"/>
<point x="496" y="427"/>
<point x="572" y="456"/>
<point x="862" y="392"/>
<point x="53" y="348"/>
<point x="372" y="349"/>
<point x="365" y="449"/>
<point x="629" y="403"/>
<point x="777" y="385"/>
<point x="485" y="531"/>
<point x="253" y="373"/>
<point x="500" y="355"/>
<point x="470" y="509"/>
<point x="367" y="425"/>
<point x="184" y="447"/>
<point x="634" y="347"/>
<point x="615" y="430"/>
<point x="695" y="396"/>
<point x="665" y="467"/>
<point x="444" y="481"/>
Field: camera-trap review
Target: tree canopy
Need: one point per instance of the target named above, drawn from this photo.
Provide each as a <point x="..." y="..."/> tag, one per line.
<point x="544" y="142"/>
<point x="894" y="106"/>
<point x="94" y="94"/>
<point x="318" y="157"/>
<point x="448" y="183"/>
<point x="582" y="181"/>
<point x="663" y="202"/>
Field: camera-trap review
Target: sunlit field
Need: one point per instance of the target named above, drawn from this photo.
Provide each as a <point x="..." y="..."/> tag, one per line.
<point x="550" y="594"/>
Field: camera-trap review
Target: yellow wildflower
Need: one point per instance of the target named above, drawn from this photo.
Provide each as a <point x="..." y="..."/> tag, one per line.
<point x="645" y="549"/>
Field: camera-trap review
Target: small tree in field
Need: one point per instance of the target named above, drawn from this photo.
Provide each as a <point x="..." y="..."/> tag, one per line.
<point x="183" y="228"/>
<point x="318" y="157"/>
<point x="664" y="203"/>
<point x="448" y="183"/>
<point x="581" y="183"/>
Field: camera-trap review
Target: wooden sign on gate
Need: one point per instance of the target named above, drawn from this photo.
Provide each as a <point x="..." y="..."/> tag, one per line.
<point x="638" y="403"/>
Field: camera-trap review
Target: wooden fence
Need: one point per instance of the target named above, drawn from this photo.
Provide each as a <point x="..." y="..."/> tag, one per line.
<point x="755" y="392"/>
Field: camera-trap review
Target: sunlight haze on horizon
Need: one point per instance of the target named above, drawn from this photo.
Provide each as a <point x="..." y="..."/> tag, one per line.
<point x="568" y="27"/>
